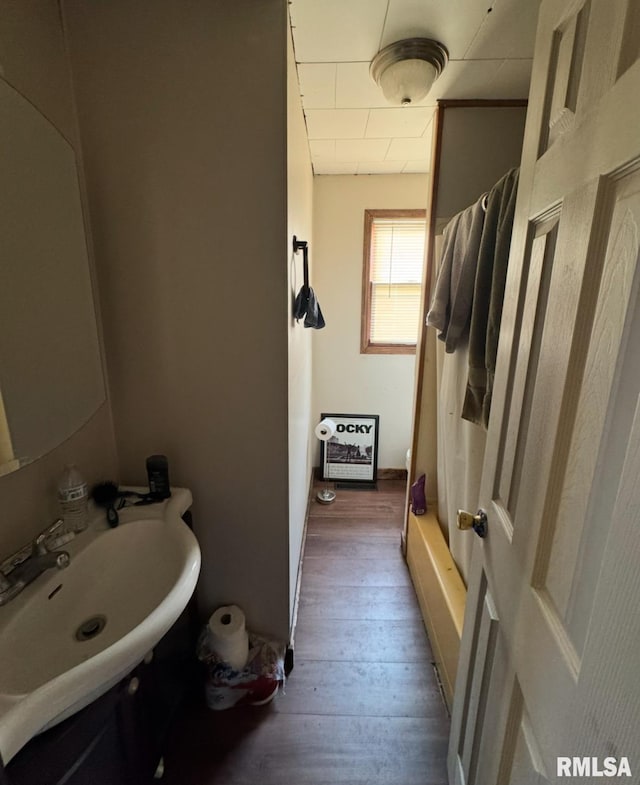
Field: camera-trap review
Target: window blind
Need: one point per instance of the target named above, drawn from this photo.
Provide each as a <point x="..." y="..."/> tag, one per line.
<point x="395" y="278"/>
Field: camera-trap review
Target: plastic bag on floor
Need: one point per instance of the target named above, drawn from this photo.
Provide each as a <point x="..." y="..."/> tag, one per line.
<point x="256" y="684"/>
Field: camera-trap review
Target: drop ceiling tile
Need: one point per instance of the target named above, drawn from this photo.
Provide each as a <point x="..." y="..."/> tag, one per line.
<point x="508" y="31"/>
<point x="466" y="79"/>
<point x="335" y="168"/>
<point x="350" y="126"/>
<point x="323" y="149"/>
<point x="361" y="149"/>
<point x="336" y="123"/>
<point x="378" y="167"/>
<point x="454" y="23"/>
<point x="428" y="131"/>
<point x="404" y="121"/>
<point x="317" y="85"/>
<point x="416" y="167"/>
<point x="355" y="88"/>
<point x="512" y="79"/>
<point x="408" y="150"/>
<point x="334" y="30"/>
<point x="428" y="137"/>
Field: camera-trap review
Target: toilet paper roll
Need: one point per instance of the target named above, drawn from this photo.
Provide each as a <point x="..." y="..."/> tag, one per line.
<point x="325" y="429"/>
<point x="228" y="636"/>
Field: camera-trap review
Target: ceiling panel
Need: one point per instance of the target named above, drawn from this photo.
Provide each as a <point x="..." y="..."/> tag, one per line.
<point x="355" y="88"/>
<point x="416" y="167"/>
<point x="508" y="31"/>
<point x="428" y="133"/>
<point x="350" y="126"/>
<point x="405" y="121"/>
<point x="325" y="167"/>
<point x="465" y="79"/>
<point x="454" y="22"/>
<point x="318" y="85"/>
<point x="336" y="123"/>
<point x="512" y="79"/>
<point x="323" y="149"/>
<point x="408" y="150"/>
<point x="361" y="149"/>
<point x="377" y="167"/>
<point x="328" y="31"/>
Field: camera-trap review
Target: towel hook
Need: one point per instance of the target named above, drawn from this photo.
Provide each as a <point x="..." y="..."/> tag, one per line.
<point x="302" y="245"/>
<point x="298" y="244"/>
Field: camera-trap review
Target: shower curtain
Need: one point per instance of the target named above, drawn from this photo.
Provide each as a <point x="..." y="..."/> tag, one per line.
<point x="470" y="293"/>
<point x="461" y="447"/>
<point x="460" y="454"/>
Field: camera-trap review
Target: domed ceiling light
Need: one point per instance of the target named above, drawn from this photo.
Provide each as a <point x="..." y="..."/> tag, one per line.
<point x="407" y="69"/>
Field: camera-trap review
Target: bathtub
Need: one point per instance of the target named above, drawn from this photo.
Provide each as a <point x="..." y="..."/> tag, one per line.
<point x="441" y="593"/>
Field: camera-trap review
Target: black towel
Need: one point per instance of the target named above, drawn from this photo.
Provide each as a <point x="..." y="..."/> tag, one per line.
<point x="307" y="305"/>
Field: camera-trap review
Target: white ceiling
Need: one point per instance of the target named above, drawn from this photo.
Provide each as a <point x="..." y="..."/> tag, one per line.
<point x="352" y="130"/>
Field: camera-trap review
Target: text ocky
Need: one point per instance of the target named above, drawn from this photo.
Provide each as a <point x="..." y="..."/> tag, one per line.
<point x="351" y="428"/>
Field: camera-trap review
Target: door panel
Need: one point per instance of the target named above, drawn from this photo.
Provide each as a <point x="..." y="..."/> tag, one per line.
<point x="630" y="47"/>
<point x="474" y="696"/>
<point x="535" y="285"/>
<point x="564" y="74"/>
<point x="559" y="569"/>
<point x="522" y="762"/>
<point x="547" y="663"/>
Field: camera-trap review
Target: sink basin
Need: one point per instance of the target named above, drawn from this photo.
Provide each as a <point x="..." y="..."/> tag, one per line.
<point x="74" y="633"/>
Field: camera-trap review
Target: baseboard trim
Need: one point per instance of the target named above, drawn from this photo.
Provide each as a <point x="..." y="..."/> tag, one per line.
<point x="288" y="661"/>
<point x="391" y="474"/>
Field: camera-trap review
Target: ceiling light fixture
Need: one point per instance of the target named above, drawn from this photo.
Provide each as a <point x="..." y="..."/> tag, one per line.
<point x="407" y="69"/>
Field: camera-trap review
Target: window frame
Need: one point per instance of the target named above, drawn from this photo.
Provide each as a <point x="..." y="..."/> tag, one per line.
<point x="366" y="347"/>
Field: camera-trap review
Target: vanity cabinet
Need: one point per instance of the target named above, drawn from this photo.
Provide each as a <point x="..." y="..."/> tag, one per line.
<point x="119" y="738"/>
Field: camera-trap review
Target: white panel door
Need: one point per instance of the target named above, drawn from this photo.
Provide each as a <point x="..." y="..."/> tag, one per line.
<point x="550" y="660"/>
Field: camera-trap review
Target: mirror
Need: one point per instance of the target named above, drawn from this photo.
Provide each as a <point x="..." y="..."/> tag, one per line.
<point x="51" y="379"/>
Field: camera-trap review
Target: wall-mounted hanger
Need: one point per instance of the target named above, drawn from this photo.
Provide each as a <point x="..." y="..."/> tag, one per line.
<point x="306" y="304"/>
<point x="302" y="245"/>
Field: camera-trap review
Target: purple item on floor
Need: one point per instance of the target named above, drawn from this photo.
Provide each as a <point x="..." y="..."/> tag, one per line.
<point x="418" y="498"/>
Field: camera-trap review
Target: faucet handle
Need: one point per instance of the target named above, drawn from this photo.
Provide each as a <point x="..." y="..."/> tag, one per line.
<point x="53" y="528"/>
<point x="39" y="547"/>
<point x="41" y="544"/>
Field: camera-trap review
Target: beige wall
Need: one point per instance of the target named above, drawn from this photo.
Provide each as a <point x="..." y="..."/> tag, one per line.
<point x="299" y="204"/>
<point x="343" y="379"/>
<point x="479" y="145"/>
<point x="182" y="111"/>
<point x="34" y="61"/>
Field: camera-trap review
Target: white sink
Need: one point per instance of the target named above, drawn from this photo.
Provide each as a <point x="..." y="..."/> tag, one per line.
<point x="133" y="581"/>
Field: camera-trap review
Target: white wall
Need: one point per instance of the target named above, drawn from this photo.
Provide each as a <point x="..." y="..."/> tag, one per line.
<point x="343" y="379"/>
<point x="182" y="111"/>
<point x="299" y="203"/>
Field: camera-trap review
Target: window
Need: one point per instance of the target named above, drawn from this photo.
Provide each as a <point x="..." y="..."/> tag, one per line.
<point x="392" y="280"/>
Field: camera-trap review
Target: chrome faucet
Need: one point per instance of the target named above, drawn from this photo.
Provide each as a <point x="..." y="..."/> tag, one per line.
<point x="22" y="571"/>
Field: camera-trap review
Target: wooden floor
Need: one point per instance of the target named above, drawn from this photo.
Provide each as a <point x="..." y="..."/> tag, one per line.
<point x="362" y="704"/>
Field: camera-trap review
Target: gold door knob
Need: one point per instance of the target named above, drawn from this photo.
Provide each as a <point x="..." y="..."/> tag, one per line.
<point x="478" y="522"/>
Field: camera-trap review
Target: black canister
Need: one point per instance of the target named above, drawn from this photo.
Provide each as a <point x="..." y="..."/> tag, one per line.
<point x="158" y="474"/>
